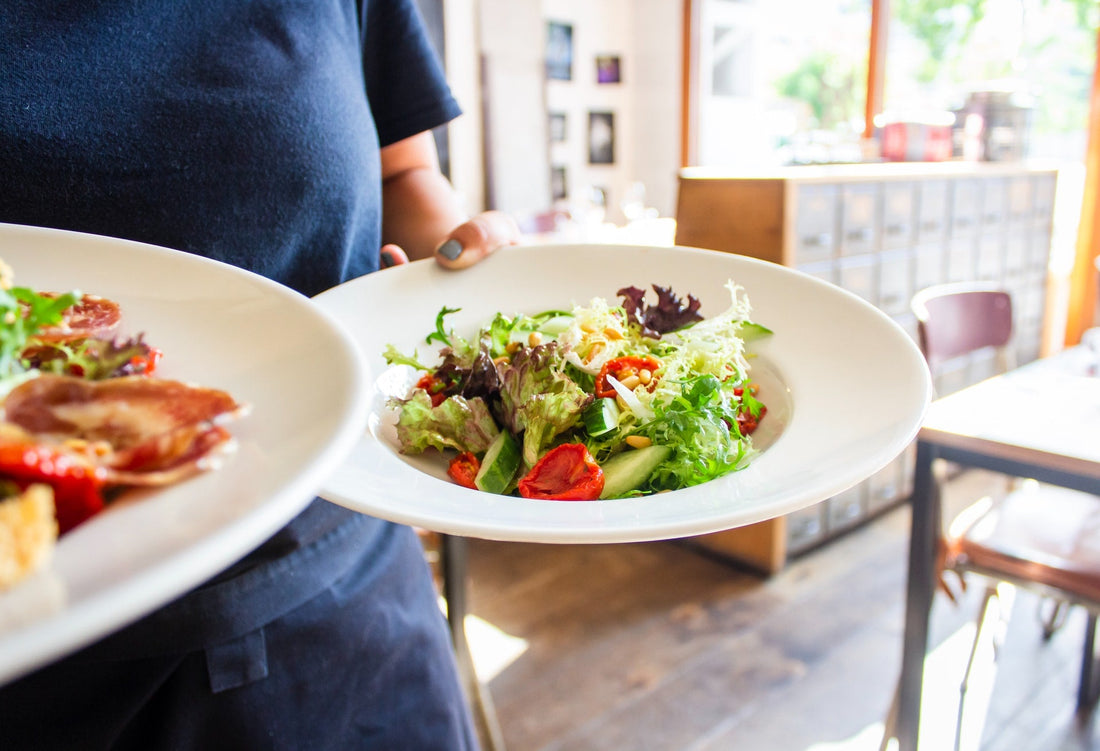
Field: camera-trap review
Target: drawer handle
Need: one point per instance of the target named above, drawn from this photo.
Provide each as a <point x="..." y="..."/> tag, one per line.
<point x="859" y="234"/>
<point x="817" y="241"/>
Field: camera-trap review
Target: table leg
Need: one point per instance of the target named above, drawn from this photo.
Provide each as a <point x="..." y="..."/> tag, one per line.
<point x="920" y="589"/>
<point x="454" y="560"/>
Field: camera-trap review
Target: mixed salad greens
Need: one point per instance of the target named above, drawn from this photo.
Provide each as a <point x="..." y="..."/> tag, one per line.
<point x="602" y="401"/>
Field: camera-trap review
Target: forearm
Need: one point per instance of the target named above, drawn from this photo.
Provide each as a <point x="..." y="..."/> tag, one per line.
<point x="419" y="210"/>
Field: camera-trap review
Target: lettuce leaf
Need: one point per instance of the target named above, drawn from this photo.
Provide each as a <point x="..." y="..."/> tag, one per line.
<point x="538" y="399"/>
<point x="458" y="423"/>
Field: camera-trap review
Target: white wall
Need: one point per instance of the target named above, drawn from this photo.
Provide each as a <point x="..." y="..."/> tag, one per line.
<point x="646" y="35"/>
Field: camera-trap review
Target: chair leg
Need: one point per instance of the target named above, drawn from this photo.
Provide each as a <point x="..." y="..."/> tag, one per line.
<point x="979" y="631"/>
<point x="1055" y="619"/>
<point x="1088" y="690"/>
<point x="453" y="563"/>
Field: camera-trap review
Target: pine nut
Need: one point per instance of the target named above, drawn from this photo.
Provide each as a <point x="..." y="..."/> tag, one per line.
<point x="645" y="376"/>
<point x="638" y="441"/>
<point x="631" y="381"/>
<point x="534" y="339"/>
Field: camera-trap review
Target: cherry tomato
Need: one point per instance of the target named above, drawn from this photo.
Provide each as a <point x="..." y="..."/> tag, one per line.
<point x="566" y="473"/>
<point x="434" y="386"/>
<point x="620" y="368"/>
<point x="146" y="364"/>
<point x="77" y="483"/>
<point x="463" y="469"/>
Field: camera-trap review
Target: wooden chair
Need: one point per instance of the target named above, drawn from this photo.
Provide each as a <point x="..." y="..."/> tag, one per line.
<point x="1034" y="537"/>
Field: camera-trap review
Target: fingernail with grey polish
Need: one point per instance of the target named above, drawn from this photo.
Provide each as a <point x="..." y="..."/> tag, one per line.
<point x="386" y="258"/>
<point x="450" y="250"/>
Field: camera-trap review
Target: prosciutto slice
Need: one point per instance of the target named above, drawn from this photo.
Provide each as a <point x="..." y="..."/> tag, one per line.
<point x="141" y="431"/>
<point x="92" y="317"/>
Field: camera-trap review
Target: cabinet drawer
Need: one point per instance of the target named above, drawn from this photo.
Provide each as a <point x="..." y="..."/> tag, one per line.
<point x="859" y="219"/>
<point x="994" y="211"/>
<point x="929" y="266"/>
<point x="933" y="211"/>
<point x="899" y="203"/>
<point x="1020" y="202"/>
<point x="991" y="257"/>
<point x="825" y="270"/>
<point x="857" y="275"/>
<point x="1015" y="255"/>
<point x="846" y="509"/>
<point x="1038" y="251"/>
<point x="805" y="527"/>
<point x="1042" y="198"/>
<point x="895" y="281"/>
<point x="816" y="224"/>
<point x="961" y="265"/>
<point x="966" y="203"/>
<point x="884" y="488"/>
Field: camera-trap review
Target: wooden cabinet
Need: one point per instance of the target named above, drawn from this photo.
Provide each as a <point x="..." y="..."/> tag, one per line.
<point x="882" y="231"/>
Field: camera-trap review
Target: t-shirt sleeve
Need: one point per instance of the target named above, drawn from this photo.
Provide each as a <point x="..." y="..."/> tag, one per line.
<point x="405" y="83"/>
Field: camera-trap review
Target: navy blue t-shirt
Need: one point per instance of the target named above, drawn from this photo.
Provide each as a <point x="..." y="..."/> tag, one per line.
<point x="248" y="132"/>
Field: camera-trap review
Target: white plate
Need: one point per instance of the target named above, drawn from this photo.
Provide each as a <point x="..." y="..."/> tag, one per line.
<point x="220" y="327"/>
<point x="846" y="389"/>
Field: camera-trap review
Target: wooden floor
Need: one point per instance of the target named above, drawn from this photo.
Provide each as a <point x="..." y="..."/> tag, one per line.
<point x="656" y="646"/>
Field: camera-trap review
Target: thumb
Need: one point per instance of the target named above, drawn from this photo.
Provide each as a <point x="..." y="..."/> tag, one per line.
<point x="477" y="238"/>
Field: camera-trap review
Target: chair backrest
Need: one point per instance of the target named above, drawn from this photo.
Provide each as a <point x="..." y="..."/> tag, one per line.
<point x="957" y="319"/>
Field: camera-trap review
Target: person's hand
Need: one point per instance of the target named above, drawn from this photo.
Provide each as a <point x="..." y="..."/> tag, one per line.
<point x="467" y="244"/>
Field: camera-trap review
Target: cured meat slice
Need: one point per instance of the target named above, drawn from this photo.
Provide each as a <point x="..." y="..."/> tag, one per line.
<point x="91" y="318"/>
<point x="142" y="431"/>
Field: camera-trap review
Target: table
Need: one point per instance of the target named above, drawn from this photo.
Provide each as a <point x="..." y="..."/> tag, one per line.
<point x="998" y="425"/>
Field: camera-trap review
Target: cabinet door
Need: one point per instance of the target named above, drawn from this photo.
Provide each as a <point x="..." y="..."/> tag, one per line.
<point x="859" y="218"/>
<point x="899" y="205"/>
<point x="816" y="223"/>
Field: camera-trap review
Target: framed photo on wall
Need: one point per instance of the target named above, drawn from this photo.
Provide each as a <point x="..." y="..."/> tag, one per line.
<point x="559" y="190"/>
<point x="608" y="69"/>
<point x="559" y="51"/>
<point x="601" y="137"/>
<point x="557" y="127"/>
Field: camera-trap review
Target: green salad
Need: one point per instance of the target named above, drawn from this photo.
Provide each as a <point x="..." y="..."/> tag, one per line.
<point x="606" y="400"/>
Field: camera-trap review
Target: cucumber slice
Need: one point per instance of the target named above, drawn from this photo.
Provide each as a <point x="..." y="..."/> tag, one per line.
<point x="630" y="469"/>
<point x="499" y="465"/>
<point x="556" y="325"/>
<point x="601" y="417"/>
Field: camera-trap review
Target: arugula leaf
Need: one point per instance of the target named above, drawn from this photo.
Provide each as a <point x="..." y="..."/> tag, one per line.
<point x="700" y="426"/>
<point x="23" y="313"/>
<point x="440" y="334"/>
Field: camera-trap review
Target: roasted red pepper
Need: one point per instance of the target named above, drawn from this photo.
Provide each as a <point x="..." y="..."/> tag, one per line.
<point x="621" y="368"/>
<point x="746" y="422"/>
<point x="463" y="469"/>
<point x="77" y="483"/>
<point x="566" y="473"/>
